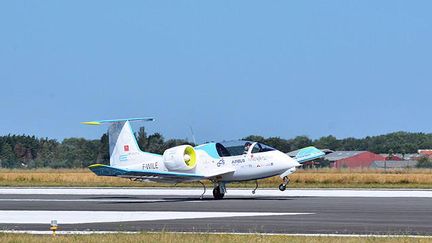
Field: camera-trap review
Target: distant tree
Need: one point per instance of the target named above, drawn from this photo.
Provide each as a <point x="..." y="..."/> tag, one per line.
<point x="279" y="143"/>
<point x="103" y="156"/>
<point x="300" y="142"/>
<point x="79" y="152"/>
<point x="329" y="142"/>
<point x="424" y="162"/>
<point x="155" y="144"/>
<point x="255" y="138"/>
<point x="7" y="156"/>
<point x="348" y="144"/>
<point x="174" y="142"/>
<point x="46" y="153"/>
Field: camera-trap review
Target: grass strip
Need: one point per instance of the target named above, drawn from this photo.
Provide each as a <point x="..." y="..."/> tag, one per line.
<point x="171" y="237"/>
<point x="323" y="178"/>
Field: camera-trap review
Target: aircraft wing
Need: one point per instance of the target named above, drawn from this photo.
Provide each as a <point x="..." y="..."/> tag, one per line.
<point x="308" y="154"/>
<point x="151" y="175"/>
<point x="219" y="172"/>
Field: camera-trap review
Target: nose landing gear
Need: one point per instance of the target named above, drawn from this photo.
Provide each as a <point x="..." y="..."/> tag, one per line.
<point x="282" y="186"/>
<point x="256" y="187"/>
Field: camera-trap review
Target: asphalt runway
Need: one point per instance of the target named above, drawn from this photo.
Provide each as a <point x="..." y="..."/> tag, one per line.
<point x="269" y="211"/>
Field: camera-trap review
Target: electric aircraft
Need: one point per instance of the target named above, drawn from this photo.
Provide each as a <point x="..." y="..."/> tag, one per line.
<point x="221" y="163"/>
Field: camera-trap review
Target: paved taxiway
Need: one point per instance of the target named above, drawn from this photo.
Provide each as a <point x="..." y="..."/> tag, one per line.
<point x="269" y="211"/>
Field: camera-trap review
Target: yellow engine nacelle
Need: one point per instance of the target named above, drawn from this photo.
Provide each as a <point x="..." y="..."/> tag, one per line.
<point x="180" y="158"/>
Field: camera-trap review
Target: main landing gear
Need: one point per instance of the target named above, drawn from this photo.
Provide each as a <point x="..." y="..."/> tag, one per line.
<point x="219" y="191"/>
<point x="204" y="187"/>
<point x="282" y="186"/>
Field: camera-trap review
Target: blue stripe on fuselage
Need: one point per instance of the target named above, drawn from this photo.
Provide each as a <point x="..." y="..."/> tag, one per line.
<point x="210" y="149"/>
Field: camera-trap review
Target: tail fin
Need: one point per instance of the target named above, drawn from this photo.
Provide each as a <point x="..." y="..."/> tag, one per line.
<point x="123" y="147"/>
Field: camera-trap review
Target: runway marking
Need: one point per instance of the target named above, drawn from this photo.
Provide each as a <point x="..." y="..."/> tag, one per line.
<point x="82" y="217"/>
<point x="35" y="232"/>
<point x="79" y="200"/>
<point x="230" y="192"/>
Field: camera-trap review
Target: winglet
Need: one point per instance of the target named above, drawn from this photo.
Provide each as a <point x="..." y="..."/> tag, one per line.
<point x="95" y="123"/>
<point x="308" y="154"/>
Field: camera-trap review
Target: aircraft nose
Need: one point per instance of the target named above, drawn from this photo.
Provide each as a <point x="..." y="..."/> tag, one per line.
<point x="292" y="162"/>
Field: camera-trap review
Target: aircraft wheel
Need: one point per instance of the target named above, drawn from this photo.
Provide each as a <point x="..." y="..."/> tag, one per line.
<point x="217" y="193"/>
<point x="282" y="187"/>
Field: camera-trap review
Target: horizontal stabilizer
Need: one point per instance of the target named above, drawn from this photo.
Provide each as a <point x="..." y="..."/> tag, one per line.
<point x="118" y="120"/>
<point x="308" y="154"/>
<point x="105" y="170"/>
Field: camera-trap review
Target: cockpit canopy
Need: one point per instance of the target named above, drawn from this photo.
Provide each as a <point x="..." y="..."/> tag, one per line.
<point x="239" y="147"/>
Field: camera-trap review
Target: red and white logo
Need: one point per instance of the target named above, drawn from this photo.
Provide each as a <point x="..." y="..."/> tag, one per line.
<point x="126" y="148"/>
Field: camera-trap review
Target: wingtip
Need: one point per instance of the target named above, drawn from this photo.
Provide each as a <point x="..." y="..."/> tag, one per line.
<point x="93" y="123"/>
<point x="95" y="165"/>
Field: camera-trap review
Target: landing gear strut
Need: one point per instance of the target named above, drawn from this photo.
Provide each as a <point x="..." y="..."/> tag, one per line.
<point x="204" y="187"/>
<point x="256" y="187"/>
<point x="219" y="191"/>
<point x="282" y="186"/>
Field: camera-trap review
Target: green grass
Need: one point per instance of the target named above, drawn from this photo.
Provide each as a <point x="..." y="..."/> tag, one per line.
<point x="323" y="178"/>
<point x="171" y="237"/>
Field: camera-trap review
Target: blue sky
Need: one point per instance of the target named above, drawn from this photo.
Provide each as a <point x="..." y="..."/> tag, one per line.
<point x="227" y="68"/>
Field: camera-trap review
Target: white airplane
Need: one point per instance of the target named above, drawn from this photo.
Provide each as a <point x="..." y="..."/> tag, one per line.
<point x="221" y="163"/>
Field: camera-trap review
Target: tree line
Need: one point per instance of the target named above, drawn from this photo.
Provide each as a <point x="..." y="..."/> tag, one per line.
<point x="397" y="142"/>
<point x="24" y="151"/>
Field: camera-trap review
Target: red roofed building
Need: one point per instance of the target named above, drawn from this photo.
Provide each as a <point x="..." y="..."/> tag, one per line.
<point x="353" y="159"/>
<point x="425" y="152"/>
<point x="393" y="157"/>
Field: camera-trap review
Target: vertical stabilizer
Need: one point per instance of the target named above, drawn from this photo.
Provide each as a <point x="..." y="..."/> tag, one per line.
<point x="122" y="143"/>
<point x="123" y="147"/>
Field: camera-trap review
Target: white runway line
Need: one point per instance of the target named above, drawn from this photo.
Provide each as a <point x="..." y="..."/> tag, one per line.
<point x="230" y="192"/>
<point x="82" y="217"/>
<point x="79" y="200"/>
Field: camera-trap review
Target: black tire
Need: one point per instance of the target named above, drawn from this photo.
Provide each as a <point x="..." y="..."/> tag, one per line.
<point x="217" y="193"/>
<point x="282" y="187"/>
